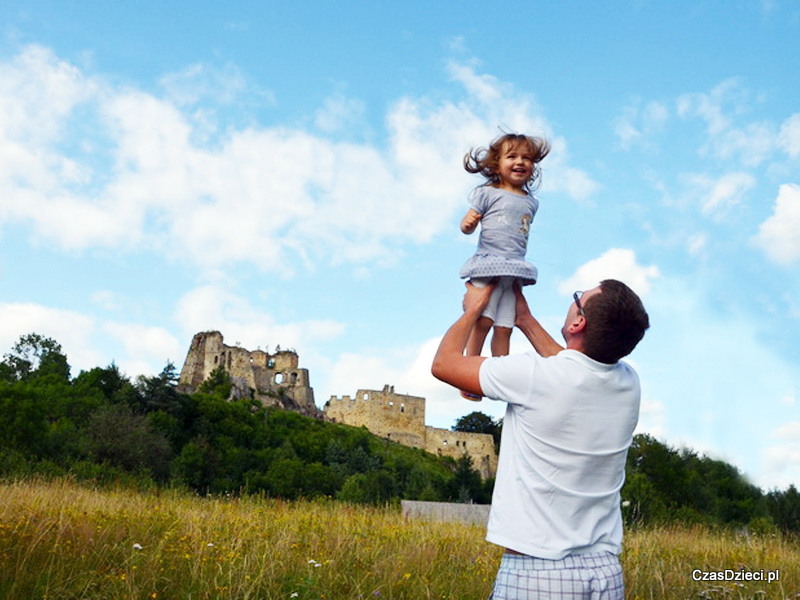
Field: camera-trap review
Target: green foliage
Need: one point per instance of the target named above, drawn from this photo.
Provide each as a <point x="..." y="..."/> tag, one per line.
<point x="218" y="383"/>
<point x="466" y="485"/>
<point x="34" y="356"/>
<point x="664" y="484"/>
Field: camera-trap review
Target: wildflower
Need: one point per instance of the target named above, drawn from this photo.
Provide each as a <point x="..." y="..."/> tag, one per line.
<point x="137" y="546"/>
<point x="294" y="595"/>
<point x="210" y="545"/>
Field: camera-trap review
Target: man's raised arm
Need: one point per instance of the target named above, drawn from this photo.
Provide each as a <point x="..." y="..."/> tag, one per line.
<point x="450" y="365"/>
<point x="542" y="342"/>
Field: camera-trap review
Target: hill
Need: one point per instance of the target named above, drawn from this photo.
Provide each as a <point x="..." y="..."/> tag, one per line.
<point x="103" y="427"/>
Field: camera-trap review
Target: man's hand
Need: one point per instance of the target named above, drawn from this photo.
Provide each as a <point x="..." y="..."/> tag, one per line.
<point x="476" y="298"/>
<point x="523" y="312"/>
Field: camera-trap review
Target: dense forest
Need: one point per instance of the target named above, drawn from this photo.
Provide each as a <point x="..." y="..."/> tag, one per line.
<point x="103" y="427"/>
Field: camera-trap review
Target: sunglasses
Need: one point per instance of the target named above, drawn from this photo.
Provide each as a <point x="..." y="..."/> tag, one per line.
<point x="577" y="297"/>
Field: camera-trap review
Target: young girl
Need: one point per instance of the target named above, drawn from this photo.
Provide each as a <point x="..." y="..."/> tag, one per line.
<point x="505" y="207"/>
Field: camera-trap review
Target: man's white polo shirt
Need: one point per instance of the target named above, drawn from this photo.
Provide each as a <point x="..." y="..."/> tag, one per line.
<point x="566" y="432"/>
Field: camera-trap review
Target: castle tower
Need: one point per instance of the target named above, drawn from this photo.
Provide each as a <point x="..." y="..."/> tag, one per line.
<point x="273" y="379"/>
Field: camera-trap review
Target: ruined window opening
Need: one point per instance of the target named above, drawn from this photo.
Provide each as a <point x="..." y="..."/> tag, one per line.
<point x="402" y="408"/>
<point x="293" y="378"/>
<point x="445" y="442"/>
<point x="271" y="363"/>
<point x="365" y="396"/>
<point x="278" y="378"/>
<point x="216" y="360"/>
<point x="391" y="403"/>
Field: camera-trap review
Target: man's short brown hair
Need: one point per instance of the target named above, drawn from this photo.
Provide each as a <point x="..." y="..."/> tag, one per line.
<point x="615" y="322"/>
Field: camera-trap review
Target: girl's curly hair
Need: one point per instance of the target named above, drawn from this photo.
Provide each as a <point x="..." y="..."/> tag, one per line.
<point x="486" y="160"/>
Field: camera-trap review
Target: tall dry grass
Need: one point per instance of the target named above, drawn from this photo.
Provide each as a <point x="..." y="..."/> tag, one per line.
<point x="670" y="562"/>
<point x="62" y="541"/>
<point x="59" y="541"/>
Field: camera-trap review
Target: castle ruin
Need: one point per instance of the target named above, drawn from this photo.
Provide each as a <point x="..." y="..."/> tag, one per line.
<point x="277" y="380"/>
<point x="401" y="418"/>
<point x="272" y="379"/>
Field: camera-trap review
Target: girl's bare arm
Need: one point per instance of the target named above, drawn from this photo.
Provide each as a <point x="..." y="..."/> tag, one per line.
<point x="470" y="221"/>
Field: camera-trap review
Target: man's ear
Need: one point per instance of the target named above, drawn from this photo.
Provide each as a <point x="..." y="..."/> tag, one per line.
<point x="577" y="325"/>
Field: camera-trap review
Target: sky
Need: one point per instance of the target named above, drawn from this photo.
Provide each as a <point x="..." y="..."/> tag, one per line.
<point x="290" y="174"/>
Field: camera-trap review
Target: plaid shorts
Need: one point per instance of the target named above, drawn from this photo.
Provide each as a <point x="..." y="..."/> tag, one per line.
<point x="577" y="577"/>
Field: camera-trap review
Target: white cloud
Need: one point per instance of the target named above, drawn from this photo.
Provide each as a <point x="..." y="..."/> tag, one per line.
<point x="781" y="462"/>
<point x="787" y="431"/>
<point x="697" y="243"/>
<point x="717" y="196"/>
<point x="778" y="235"/>
<point x="68" y="328"/>
<point x="143" y="344"/>
<point x="790" y="136"/>
<point x="721" y="108"/>
<point x="339" y="113"/>
<point x="616" y="263"/>
<point x="262" y="195"/>
<point x="203" y="82"/>
<point x="638" y="123"/>
<point x="652" y="418"/>
<point x="709" y="106"/>
<point x="213" y="307"/>
<point x="90" y="342"/>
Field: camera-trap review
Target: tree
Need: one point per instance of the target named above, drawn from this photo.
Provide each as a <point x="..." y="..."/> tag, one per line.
<point x="477" y="422"/>
<point x="466" y="484"/>
<point x="113" y="384"/>
<point x="23" y="419"/>
<point x="159" y="392"/>
<point x="34" y="356"/>
<point x="128" y="441"/>
<point x="218" y="382"/>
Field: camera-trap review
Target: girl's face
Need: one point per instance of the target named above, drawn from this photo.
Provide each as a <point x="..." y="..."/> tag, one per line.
<point x="515" y="167"/>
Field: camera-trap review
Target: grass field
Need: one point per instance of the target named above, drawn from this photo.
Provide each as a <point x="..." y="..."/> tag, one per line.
<point x="60" y="541"/>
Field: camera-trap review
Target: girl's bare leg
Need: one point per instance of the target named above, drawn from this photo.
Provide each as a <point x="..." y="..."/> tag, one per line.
<point x="478" y="336"/>
<point x="501" y="341"/>
<point x="475" y="345"/>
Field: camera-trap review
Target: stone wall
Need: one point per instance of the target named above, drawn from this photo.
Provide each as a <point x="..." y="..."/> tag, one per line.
<point x="401" y="418"/>
<point x="397" y="417"/>
<point x="480" y="446"/>
<point x="474" y="514"/>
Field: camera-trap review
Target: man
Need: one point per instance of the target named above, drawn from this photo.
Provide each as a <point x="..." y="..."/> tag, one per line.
<point x="569" y="422"/>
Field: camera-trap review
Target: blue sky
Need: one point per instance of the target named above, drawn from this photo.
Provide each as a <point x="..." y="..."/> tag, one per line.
<point x="289" y="173"/>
